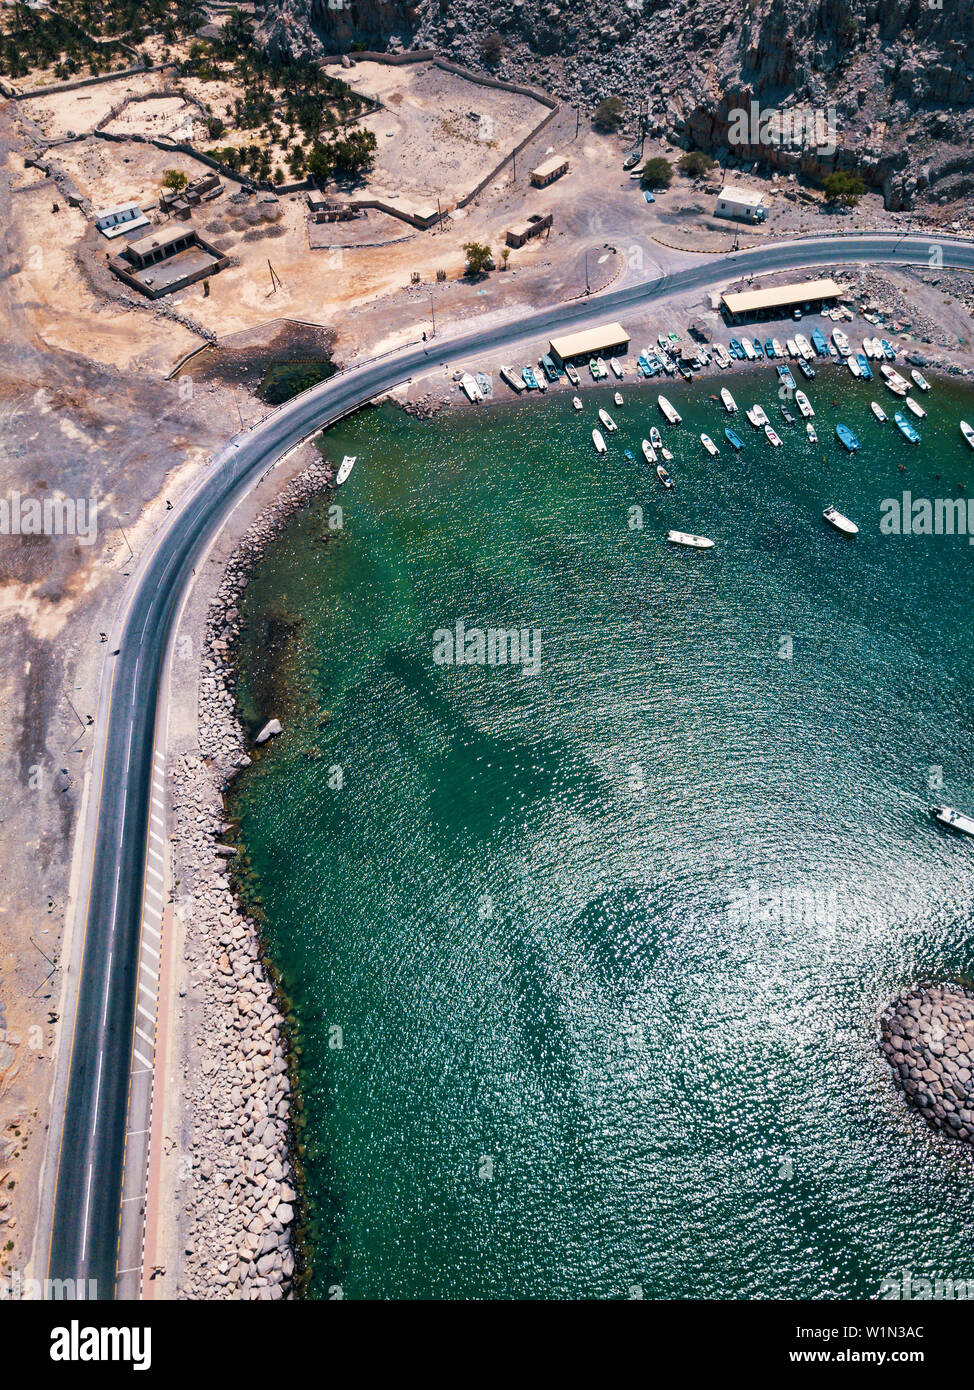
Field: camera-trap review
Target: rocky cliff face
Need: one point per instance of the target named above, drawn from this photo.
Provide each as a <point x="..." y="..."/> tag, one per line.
<point x="891" y="81"/>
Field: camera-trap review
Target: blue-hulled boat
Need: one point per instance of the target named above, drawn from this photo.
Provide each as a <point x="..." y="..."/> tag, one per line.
<point x="847" y="438"/>
<point x="905" y="428"/>
<point x="756" y="343"/>
<point x="769" y="348"/>
<point x="643" y="365"/>
<point x="889" y="352"/>
<point x="786" y="377"/>
<point x="530" y="380"/>
<point x="736" y="350"/>
<point x="820" y="342"/>
<point x="864" y="368"/>
<point x="734" y="439"/>
<point x="549" y="368"/>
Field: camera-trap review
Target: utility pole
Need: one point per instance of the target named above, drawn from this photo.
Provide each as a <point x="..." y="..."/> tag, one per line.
<point x="578" y="118"/>
<point x="276" y="281"/>
<point x="587" y="290"/>
<point x="433" y="313"/>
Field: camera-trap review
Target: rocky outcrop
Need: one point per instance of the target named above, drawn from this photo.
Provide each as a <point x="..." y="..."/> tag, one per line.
<point x="898" y="75"/>
<point x="928" y="1039"/>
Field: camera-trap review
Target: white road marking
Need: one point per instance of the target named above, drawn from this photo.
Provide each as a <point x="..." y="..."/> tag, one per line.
<point x="144" y="1060"/>
<point x="145" y="1014"/>
<point x="144" y="1036"/>
<point x="84" y="1248"/>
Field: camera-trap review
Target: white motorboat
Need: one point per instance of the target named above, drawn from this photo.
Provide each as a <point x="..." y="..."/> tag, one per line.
<point x="757" y="416"/>
<point x="618" y="398"/>
<point x="853" y="366"/>
<point x="878" y="411"/>
<point x="967" y="432"/>
<point x="954" y="820"/>
<point x="792" y="347"/>
<point x="841" y="342"/>
<point x="655" y="438"/>
<point x="511" y="378"/>
<point x="671" y="414"/>
<point x="693" y="542"/>
<point x="804" y="404"/>
<point x="915" y="407"/>
<point x="615" y="368"/>
<point x="649" y="453"/>
<point x="599" y="442"/>
<point x="749" y="352"/>
<point x="773" y="436"/>
<point x="345" y="467"/>
<point x="730" y="405"/>
<point x="840" y="522"/>
<point x="576" y="403"/>
<point x="607" y="420"/>
<point x="778" y="349"/>
<point x="664" y="477"/>
<point x="804" y="347"/>
<point x="920" y="380"/>
<point x="709" y="445"/>
<point x="469" y="387"/>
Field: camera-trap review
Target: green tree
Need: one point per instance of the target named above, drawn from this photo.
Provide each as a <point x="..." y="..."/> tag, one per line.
<point x="480" y="258"/>
<point x="656" y="173"/>
<point x="844" y="188"/>
<point x="175" y="180"/>
<point x="609" y="114"/>
<point x="695" y="163"/>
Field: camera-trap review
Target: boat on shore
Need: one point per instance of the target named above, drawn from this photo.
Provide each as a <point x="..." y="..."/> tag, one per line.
<point x="915" y="408"/>
<point x="854" y="367"/>
<point x="894" y="381"/>
<point x="547" y="366"/>
<point x="804" y="346"/>
<point x="819" y="342"/>
<point x="530" y="380"/>
<point x="649" y="453"/>
<point x="600" y="445"/>
<point x="757" y="416"/>
<point x="485" y="384"/>
<point x="730" y="405"/>
<point x="865" y="371"/>
<point x="664" y="477"/>
<point x="967" y="432"/>
<point x="769" y="351"/>
<point x="792" y="347"/>
<point x="840" y="522"/>
<point x="749" y="352"/>
<point x="603" y="369"/>
<point x="786" y="378"/>
<point x="692" y="542"/>
<point x="736" y="351"/>
<point x="595" y="370"/>
<point x="812" y="433"/>
<point x="953" y="820"/>
<point x="733" y="439"/>
<point x="721" y="356"/>
<point x="469" y="387"/>
<point x="607" y="420"/>
<point x="670" y="413"/>
<point x="905" y="428"/>
<point x="344" y="468"/>
<point x="804" y="404"/>
<point x="510" y="378"/>
<point x="779" y="347"/>
<point x="846" y="437"/>
<point x="576" y="402"/>
<point x="709" y="445"/>
<point x="889" y="352"/>
<point x="572" y="375"/>
<point x="775" y="438"/>
<point x="920" y="380"/>
<point x="615" y="369"/>
<point x="841" y="342"/>
<point x="758" y="349"/>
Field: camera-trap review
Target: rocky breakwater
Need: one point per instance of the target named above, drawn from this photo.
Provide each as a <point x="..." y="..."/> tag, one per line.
<point x="928" y="1038"/>
<point x="236" y="1183"/>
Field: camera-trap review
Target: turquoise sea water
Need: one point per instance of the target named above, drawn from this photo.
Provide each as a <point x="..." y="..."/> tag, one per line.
<point x="587" y="964"/>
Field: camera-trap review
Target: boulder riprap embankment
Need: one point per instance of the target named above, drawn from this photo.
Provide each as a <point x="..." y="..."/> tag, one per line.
<point x="928" y="1038"/>
<point x="236" y="1184"/>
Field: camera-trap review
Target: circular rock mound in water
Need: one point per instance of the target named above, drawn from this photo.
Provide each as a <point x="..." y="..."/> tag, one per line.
<point x="928" y="1038"/>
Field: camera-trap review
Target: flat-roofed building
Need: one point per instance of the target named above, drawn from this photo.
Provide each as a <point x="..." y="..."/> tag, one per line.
<point x="127" y="217"/>
<point x="549" y="170"/>
<point x="530" y="227"/>
<point x="744" y="204"/>
<point x="807" y="295"/>
<point x="608" y="340"/>
<point x="166" y="260"/>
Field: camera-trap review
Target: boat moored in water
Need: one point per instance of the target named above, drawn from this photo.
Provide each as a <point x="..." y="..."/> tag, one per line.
<point x="576" y="402"/>
<point x="905" y="428"/>
<point x="920" y="380"/>
<point x="865" y="371"/>
<point x="915" y="408"/>
<point x="775" y="438"/>
<point x="734" y="439"/>
<point x="878" y="411"/>
<point x="664" y="477"/>
<point x="618" y="398"/>
<point x="757" y="416"/>
<point x="692" y="542"/>
<point x="709" y="445"/>
<point x="655" y="438"/>
<point x="671" y="414"/>
<point x="344" y="468"/>
<point x="600" y="445"/>
<point x="840" y="522"/>
<point x="853" y="366"/>
<point x="730" y="405"/>
<point x="847" y="438"/>
<point x="967" y="432"/>
<point x="954" y="820"/>
<point x="607" y="420"/>
<point x="812" y="433"/>
<point x="649" y="453"/>
<point x="804" y="404"/>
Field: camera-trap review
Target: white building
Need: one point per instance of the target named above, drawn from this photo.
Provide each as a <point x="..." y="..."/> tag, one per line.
<point x="744" y="204"/>
<point x="112" y="222"/>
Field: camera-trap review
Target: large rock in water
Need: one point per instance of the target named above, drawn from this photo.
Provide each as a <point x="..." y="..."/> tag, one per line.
<point x="928" y="1039"/>
<point x="273" y="726"/>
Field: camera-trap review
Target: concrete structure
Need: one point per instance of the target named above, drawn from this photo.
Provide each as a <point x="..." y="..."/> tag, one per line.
<point x="331" y="209"/>
<point x="167" y="260"/>
<point x="533" y="226"/>
<point x="127" y="217"/>
<point x="549" y="170"/>
<point x="744" y="204"/>
<point x="203" y="189"/>
<point x="607" y="340"/>
<point x="807" y="295"/>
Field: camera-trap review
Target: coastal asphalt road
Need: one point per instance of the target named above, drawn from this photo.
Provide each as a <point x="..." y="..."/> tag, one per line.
<point x="88" y="1177"/>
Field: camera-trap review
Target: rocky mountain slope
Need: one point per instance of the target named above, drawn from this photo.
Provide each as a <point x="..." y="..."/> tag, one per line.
<point x="893" y="80"/>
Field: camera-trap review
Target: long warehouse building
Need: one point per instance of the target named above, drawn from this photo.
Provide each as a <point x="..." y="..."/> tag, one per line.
<point x="809" y="296"/>
<point x="606" y="340"/>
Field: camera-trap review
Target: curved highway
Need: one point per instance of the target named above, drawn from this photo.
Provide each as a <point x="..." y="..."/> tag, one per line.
<point x="88" y="1182"/>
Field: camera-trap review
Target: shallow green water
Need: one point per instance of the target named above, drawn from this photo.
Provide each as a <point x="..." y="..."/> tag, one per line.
<point x="606" y="944"/>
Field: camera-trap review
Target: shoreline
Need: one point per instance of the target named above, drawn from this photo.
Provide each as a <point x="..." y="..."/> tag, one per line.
<point x="244" y="1209"/>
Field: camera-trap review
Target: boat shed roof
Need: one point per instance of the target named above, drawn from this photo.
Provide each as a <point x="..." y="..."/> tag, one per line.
<point x="780" y="296"/>
<point x="590" y="342"/>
